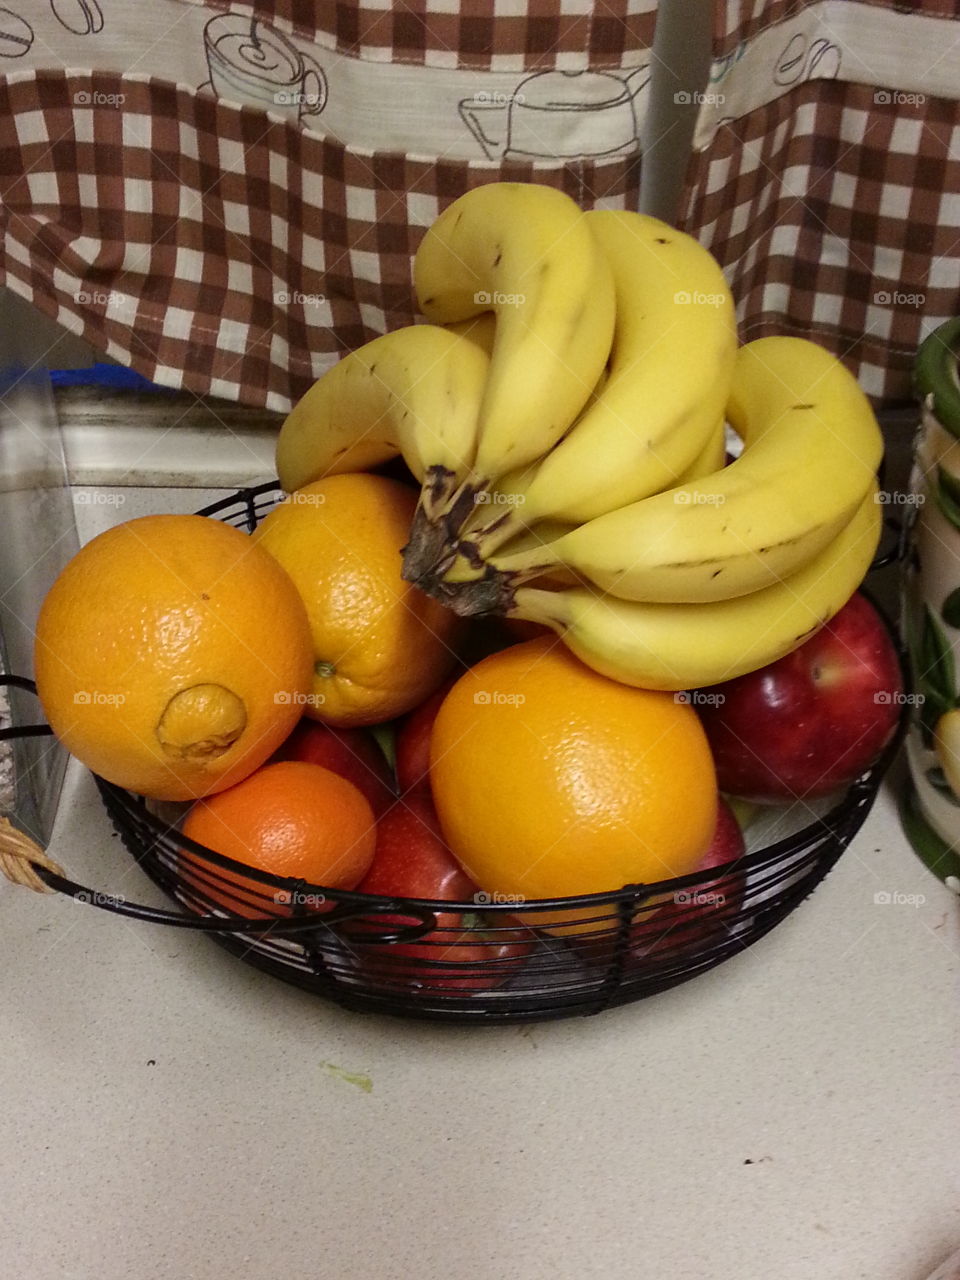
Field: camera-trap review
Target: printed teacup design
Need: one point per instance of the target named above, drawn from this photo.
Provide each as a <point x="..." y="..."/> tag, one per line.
<point x="250" y="61"/>
<point x="16" y="34"/>
<point x="81" y="17"/>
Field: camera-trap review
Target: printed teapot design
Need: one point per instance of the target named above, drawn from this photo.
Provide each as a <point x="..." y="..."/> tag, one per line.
<point x="559" y="115"/>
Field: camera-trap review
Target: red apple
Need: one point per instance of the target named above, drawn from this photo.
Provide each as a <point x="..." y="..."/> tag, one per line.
<point x="413" y="743"/>
<point x="705" y="911"/>
<point x="352" y="753"/>
<point x="813" y="721"/>
<point x="412" y="861"/>
<point x="694" y="916"/>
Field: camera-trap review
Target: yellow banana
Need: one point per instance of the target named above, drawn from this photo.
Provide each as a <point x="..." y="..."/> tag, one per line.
<point x="544" y="532"/>
<point x="415" y="391"/>
<point x="479" y="329"/>
<point x="811" y="451"/>
<point x="524" y="251"/>
<point x="712" y="457"/>
<point x="511" y="490"/>
<point x="684" y="646"/>
<point x="946" y="739"/>
<point x="674" y="346"/>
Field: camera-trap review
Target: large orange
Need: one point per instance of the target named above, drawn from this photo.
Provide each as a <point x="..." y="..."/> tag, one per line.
<point x="551" y="780"/>
<point x="172" y="656"/>
<point x="380" y="645"/>
<point x="291" y="819"/>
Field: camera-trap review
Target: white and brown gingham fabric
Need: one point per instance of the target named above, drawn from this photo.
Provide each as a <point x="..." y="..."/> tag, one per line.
<point x="487" y="34"/>
<point x="228" y="197"/>
<point x="826" y="176"/>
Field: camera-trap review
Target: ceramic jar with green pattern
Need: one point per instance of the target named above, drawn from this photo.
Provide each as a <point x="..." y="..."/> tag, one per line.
<point x="930" y="807"/>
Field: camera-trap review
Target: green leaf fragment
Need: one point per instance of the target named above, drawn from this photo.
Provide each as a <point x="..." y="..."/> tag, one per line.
<point x="938" y="780"/>
<point x="942" y="858"/>
<point x="936" y="671"/>
<point x="947" y="494"/>
<point x="386" y="738"/>
<point x="357" y="1078"/>
<point x="950" y="609"/>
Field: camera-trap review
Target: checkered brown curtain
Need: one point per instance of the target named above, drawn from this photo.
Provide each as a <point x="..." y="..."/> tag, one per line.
<point x="229" y="195"/>
<point x="826" y="175"/>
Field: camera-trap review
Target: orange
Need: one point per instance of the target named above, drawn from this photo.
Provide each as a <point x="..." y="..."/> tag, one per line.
<point x="172" y="656"/>
<point x="291" y="819"/>
<point x="551" y="780"/>
<point x="380" y="645"/>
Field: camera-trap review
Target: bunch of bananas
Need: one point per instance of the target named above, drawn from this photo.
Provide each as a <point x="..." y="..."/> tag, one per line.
<point x="564" y="410"/>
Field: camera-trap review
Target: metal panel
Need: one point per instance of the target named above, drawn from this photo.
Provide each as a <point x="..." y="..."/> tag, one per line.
<point x="37" y="537"/>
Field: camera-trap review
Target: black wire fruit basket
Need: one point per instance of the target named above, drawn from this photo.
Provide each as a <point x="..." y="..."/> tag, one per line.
<point x="486" y="961"/>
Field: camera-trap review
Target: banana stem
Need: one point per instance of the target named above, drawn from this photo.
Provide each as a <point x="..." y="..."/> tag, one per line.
<point x="546" y="607"/>
<point x="473" y="593"/>
<point x="439" y="484"/>
<point x="488" y="594"/>
<point x="425" y="549"/>
<point x="466" y="567"/>
<point x="460" y="507"/>
<point x="532" y="563"/>
<point x="442" y="509"/>
<point x="485" y="540"/>
<point x="479" y="587"/>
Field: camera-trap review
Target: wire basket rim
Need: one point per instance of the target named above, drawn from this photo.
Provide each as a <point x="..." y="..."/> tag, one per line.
<point x="837" y="826"/>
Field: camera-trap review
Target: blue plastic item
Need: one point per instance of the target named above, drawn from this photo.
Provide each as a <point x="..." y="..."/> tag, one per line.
<point x="105" y="375"/>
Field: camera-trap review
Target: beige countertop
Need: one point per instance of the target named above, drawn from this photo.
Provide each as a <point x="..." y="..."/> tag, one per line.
<point x="169" y="1113"/>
